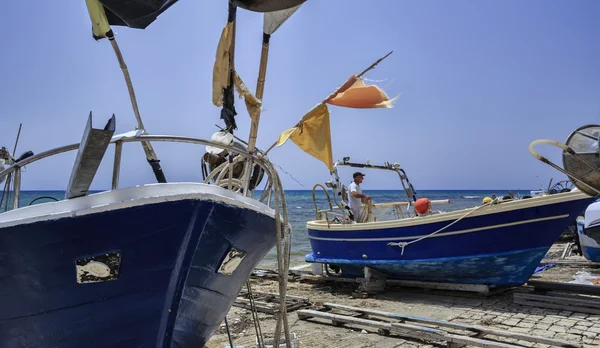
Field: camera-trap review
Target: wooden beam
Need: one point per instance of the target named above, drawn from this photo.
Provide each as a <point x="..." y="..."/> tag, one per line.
<point x="260" y="306"/>
<point x="405" y="330"/>
<point x="455" y="325"/>
<point x="572" y="263"/>
<point x="568" y="287"/>
<point x="480" y="288"/>
<point x="564" y="300"/>
<point x="525" y="302"/>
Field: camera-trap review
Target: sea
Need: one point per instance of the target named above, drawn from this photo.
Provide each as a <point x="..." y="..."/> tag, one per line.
<point x="301" y="208"/>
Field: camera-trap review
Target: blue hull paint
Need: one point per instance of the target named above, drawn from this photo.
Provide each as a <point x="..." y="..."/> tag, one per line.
<point x="508" y="269"/>
<point x="501" y="256"/>
<point x="590" y="253"/>
<point x="167" y="294"/>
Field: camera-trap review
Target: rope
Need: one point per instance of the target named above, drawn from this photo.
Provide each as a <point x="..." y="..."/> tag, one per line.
<point x="228" y="333"/>
<point x="257" y="328"/>
<point x="405" y="244"/>
<point x="283" y="253"/>
<point x="283" y="236"/>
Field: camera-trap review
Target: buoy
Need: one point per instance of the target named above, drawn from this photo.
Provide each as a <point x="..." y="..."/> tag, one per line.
<point x="422" y="205"/>
<point x="486" y="200"/>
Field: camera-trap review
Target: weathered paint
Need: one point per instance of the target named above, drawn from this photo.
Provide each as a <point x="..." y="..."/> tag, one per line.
<point x="505" y="269"/>
<point x="168" y="292"/>
<point x="468" y="252"/>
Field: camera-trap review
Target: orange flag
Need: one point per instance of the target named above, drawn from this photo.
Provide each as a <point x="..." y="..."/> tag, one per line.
<point x="355" y="94"/>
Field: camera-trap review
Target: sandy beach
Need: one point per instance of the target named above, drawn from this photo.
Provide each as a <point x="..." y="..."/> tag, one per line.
<point x="494" y="311"/>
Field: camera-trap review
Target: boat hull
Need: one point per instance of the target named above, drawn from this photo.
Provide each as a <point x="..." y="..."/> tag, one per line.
<point x="497" y="246"/>
<point x="589" y="247"/>
<point x="168" y="285"/>
<point x="588" y="231"/>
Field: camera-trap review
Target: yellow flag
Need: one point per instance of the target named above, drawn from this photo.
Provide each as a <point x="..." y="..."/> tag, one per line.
<point x="312" y="135"/>
<point x="221" y="67"/>
<point x="253" y="104"/>
<point x="100" y="25"/>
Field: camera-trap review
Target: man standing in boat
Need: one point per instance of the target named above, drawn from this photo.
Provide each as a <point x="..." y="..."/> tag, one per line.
<point x="355" y="196"/>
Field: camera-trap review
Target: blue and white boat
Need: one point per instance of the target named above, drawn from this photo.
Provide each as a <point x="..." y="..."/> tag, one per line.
<point x="155" y="265"/>
<point x="498" y="244"/>
<point x="588" y="232"/>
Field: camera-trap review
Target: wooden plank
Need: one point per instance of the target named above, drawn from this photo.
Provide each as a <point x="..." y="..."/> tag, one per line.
<point x="564" y="300"/>
<point x="568" y="287"/>
<point x="567" y="295"/>
<point x="579" y="309"/>
<point x="312" y="278"/>
<point x="455" y="325"/>
<point x="309" y="313"/>
<point x="276" y="295"/>
<point x="453" y="339"/>
<point x="572" y="263"/>
<point x="480" y="288"/>
<point x="269" y="303"/>
<point x="405" y="330"/>
<point x="258" y="309"/>
<point x="260" y="306"/>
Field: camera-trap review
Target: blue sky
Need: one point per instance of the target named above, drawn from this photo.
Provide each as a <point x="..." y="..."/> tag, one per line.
<point x="478" y="81"/>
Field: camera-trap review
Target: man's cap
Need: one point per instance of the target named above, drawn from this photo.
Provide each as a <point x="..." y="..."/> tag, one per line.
<point x="357" y="174"/>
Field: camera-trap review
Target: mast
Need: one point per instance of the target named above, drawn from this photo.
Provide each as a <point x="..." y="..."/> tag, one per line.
<point x="101" y="29"/>
<point x="271" y="22"/>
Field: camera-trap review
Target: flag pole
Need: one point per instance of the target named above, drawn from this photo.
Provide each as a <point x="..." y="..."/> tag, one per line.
<point x="260" y="87"/>
<point x="270" y="24"/>
<point x="228" y="111"/>
<point x="101" y="29"/>
<point x="338" y="90"/>
<point x="373" y="65"/>
<point x="148" y="149"/>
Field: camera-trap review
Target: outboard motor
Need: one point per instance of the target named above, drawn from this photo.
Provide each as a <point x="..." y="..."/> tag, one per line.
<point x="215" y="156"/>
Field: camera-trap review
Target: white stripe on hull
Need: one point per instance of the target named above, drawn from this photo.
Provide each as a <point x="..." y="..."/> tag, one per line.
<point x="321" y="225"/>
<point x="391" y="239"/>
<point x="127" y="198"/>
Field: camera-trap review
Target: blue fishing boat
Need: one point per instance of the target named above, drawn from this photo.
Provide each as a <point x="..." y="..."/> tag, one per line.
<point x="154" y="265"/>
<point x="499" y="243"/>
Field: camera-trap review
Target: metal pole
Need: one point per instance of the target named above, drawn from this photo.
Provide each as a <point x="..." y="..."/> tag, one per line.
<point x="7" y="191"/>
<point x="8" y="179"/>
<point x="117" y="165"/>
<point x="148" y="149"/>
<point x="17" y="188"/>
<point x="17" y="141"/>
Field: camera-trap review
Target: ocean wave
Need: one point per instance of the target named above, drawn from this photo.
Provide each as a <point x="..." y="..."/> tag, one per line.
<point x="470" y="197"/>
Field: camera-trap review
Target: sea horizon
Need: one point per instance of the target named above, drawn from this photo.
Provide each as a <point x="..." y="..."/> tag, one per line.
<point x="301" y="209"/>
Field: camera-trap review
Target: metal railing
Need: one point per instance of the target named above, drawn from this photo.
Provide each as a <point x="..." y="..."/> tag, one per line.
<point x="218" y="175"/>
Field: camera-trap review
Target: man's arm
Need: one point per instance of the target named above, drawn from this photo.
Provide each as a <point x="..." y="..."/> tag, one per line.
<point x="359" y="195"/>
